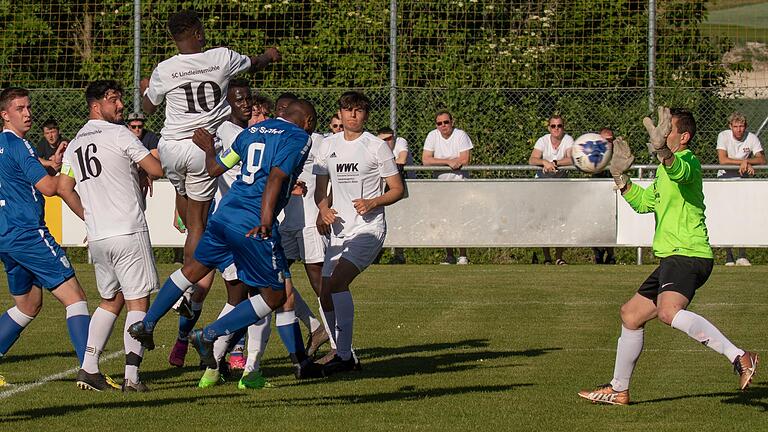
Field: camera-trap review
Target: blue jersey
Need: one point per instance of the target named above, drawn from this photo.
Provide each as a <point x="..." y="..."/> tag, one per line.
<point x="22" y="206"/>
<point x="261" y="147"/>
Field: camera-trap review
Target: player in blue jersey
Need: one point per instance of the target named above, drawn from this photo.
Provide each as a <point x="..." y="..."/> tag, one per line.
<point x="244" y="230"/>
<point x="32" y="258"/>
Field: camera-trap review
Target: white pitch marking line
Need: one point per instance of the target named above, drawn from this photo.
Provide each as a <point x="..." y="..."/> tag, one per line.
<point x="54" y="377"/>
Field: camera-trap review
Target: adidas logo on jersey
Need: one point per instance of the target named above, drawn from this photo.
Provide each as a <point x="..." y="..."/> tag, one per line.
<point x="332" y="155"/>
<point x="346" y="167"/>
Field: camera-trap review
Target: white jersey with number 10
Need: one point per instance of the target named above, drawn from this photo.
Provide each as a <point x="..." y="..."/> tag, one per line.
<point x="195" y="89"/>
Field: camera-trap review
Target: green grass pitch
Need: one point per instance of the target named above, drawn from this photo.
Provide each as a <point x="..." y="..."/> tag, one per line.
<point x="444" y="348"/>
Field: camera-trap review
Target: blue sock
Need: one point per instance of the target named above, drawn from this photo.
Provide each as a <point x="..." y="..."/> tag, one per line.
<point x="172" y="290"/>
<point x="290" y="333"/>
<point x="12" y="323"/>
<point x="243" y="315"/>
<point x="78" y="321"/>
<point x="186" y="325"/>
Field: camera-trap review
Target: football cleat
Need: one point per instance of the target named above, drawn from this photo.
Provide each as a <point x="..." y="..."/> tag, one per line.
<point x="210" y="378"/>
<point x="462" y="260"/>
<point x="316" y="339"/>
<point x="138" y="331"/>
<point x="743" y="262"/>
<point x="746" y="366"/>
<point x="134" y="387"/>
<point x="204" y="347"/>
<point x="95" y="381"/>
<point x="183" y="306"/>
<point x="253" y="380"/>
<point x="337" y="365"/>
<point x="307" y="369"/>
<point x="606" y="395"/>
<point x="178" y="353"/>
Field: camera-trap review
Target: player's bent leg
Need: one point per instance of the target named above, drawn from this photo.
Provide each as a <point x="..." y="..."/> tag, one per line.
<point x="189" y="318"/>
<point x="237" y="291"/>
<point x="134" y="351"/>
<point x="172" y="290"/>
<point x="197" y="217"/>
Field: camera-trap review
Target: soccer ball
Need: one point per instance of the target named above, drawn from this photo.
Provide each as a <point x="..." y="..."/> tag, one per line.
<point x="591" y="153"/>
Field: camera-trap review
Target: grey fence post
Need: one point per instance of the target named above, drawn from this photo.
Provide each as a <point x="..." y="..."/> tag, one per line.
<point x="639" y="249"/>
<point x="651" y="53"/>
<point x="393" y="67"/>
<point x="136" y="55"/>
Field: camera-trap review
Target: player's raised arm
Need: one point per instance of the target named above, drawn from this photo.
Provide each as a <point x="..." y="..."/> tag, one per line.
<point x="270" y="55"/>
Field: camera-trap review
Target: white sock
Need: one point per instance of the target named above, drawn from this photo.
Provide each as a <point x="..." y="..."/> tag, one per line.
<point x="133" y="348"/>
<point x="345" y="315"/>
<point x="304" y="313"/>
<point x="19" y="317"/>
<point x="220" y="345"/>
<point x="329" y="321"/>
<point x="628" y="350"/>
<point x="102" y="322"/>
<point x="258" y="336"/>
<point x="697" y="327"/>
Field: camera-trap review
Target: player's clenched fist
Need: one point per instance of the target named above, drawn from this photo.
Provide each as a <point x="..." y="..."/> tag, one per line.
<point x="363" y="206"/>
<point x="203" y="139"/>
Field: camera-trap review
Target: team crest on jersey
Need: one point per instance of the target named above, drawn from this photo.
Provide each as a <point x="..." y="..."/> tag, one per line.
<point x="65" y="262"/>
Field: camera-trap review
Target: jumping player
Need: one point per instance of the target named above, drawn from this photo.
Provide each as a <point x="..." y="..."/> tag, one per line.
<point x="354" y="162"/>
<point x="194" y="85"/>
<point x="102" y="161"/>
<point x="682" y="244"/>
<point x="32" y="258"/>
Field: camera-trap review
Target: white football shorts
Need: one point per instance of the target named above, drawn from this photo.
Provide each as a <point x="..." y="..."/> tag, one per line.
<point x="124" y="263"/>
<point x="306" y="244"/>
<point x="184" y="166"/>
<point x="360" y="248"/>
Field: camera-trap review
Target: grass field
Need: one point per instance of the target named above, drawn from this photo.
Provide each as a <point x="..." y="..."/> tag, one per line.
<point x="443" y="348"/>
<point x="739" y="21"/>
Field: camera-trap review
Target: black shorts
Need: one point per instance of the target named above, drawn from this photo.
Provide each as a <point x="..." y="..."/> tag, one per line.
<point x="677" y="273"/>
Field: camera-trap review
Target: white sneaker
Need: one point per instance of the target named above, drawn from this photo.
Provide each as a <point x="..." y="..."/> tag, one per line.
<point x="730" y="263"/>
<point x="462" y="260"/>
<point x="743" y="262"/>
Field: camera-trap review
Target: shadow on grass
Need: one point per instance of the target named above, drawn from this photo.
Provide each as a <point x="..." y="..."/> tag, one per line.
<point x="13" y="358"/>
<point x="407" y="393"/>
<point x="755" y="396"/>
<point x="65" y="410"/>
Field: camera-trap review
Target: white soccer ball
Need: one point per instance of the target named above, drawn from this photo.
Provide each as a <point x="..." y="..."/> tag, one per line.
<point x="591" y="153"/>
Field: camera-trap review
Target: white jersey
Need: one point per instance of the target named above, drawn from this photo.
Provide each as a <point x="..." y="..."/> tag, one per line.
<point x="102" y="159"/>
<point x="195" y="89"/>
<point x="301" y="211"/>
<point x="225" y="137"/>
<point x="548" y="152"/>
<point x="401" y="145"/>
<point x="735" y="149"/>
<point x="356" y="169"/>
<point x="448" y="148"/>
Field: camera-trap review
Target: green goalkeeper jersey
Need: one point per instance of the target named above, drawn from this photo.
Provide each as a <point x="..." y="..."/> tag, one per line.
<point x="676" y="198"/>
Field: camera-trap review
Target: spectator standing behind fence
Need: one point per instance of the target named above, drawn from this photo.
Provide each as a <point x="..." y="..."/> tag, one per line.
<point x="736" y="146"/>
<point x="551" y="151"/>
<point x="403" y="157"/>
<point x="51" y="141"/>
<point x="334" y="126"/>
<point x="604" y="255"/>
<point x="449" y="146"/>
<point x="149" y="139"/>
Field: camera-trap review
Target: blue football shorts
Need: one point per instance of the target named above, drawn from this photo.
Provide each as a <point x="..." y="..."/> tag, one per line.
<point x="36" y="259"/>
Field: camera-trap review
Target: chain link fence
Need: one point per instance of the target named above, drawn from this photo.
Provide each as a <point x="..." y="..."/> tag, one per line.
<point x="502" y="67"/>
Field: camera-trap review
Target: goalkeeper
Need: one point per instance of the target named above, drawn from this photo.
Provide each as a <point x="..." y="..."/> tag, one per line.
<point x="681" y="242"/>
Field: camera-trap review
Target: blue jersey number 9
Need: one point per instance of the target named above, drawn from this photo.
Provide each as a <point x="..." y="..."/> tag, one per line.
<point x="253" y="162"/>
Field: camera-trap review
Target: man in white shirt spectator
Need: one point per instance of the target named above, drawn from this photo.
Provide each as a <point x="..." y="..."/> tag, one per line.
<point x="551" y="151"/>
<point x="736" y="146"/>
<point x="449" y="146"/>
